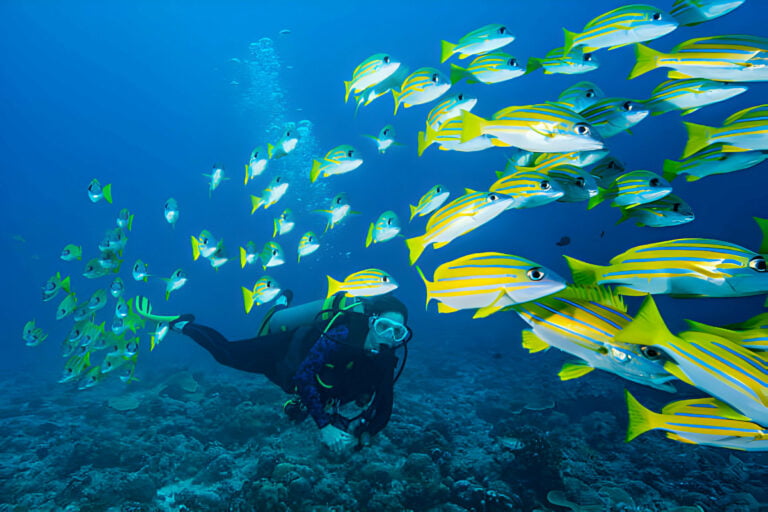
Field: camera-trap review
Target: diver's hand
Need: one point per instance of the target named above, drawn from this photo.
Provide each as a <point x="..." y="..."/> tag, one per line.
<point x="336" y="439"/>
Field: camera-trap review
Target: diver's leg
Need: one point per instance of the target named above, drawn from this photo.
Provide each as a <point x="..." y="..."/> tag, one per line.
<point x="255" y="355"/>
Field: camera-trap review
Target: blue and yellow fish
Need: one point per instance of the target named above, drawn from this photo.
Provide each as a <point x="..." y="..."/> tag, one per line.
<point x="610" y="116"/>
<point x="263" y="291"/>
<point x="577" y="61"/>
<point x="386" y="227"/>
<point x="482" y="40"/>
<point x="621" y="27"/>
<point x="712" y="160"/>
<point x="339" y="160"/>
<point x="686" y="267"/>
<point x="580" y="96"/>
<point x="729" y="58"/>
<point x="693" y="12"/>
<point x="430" y="201"/>
<point x="370" y="72"/>
<point x="491" y="68"/>
<point x="689" y="95"/>
<point x="421" y="86"/>
<point x="488" y="282"/>
<point x="670" y="210"/>
<point x="528" y="187"/>
<point x="743" y="131"/>
<point x="364" y="283"/>
<point x="632" y="189"/>
<point x="308" y="244"/>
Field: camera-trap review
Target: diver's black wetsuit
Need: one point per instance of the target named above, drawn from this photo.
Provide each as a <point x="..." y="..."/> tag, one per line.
<point x="321" y="368"/>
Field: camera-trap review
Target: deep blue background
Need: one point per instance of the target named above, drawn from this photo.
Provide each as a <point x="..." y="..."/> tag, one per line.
<point x="139" y="95"/>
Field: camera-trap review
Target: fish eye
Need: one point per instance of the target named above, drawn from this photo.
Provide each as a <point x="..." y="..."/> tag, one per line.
<point x="288" y="133"/>
<point x="512" y="62"/>
<point x="460" y="97"/>
<point x="386" y="59"/>
<point x="546" y="185"/>
<point x="386" y="131"/>
<point x="350" y="153"/>
<point x="758" y="263"/>
<point x="587" y="57"/>
<point x="627" y="106"/>
<point x="502" y="30"/>
<point x="651" y="352"/>
<point x="580" y="182"/>
<point x="590" y="93"/>
<point x="582" y="129"/>
<point x="384" y="279"/>
<point x="493" y="197"/>
<point x="438" y="189"/>
<point x="434" y="77"/>
<point x="654" y="182"/>
<point x="613" y="165"/>
<point x="535" y="274"/>
<point x="676" y="207"/>
<point x="656" y="16"/>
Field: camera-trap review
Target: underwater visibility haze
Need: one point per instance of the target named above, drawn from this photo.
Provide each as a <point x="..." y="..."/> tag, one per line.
<point x="175" y="158"/>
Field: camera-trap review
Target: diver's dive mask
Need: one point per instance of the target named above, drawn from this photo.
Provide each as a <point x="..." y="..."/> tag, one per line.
<point x="391" y="329"/>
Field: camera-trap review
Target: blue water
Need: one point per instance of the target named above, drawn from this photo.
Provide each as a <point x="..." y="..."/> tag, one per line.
<point x="141" y="95"/>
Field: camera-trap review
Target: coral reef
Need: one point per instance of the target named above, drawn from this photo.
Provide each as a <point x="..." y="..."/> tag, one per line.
<point x="476" y="436"/>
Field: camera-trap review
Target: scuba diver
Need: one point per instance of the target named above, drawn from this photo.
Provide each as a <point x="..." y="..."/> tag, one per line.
<point x="334" y="355"/>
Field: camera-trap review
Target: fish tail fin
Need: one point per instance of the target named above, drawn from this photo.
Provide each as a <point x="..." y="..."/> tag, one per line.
<point x="247" y="175"/>
<point x="698" y="138"/>
<point x="570" y="40"/>
<point x="415" y="247"/>
<point x="427" y="285"/>
<point x="624" y="216"/>
<point x="347" y="90"/>
<point x="396" y="95"/>
<point x="597" y="198"/>
<point x="270" y="150"/>
<point x="358" y="102"/>
<point x="641" y="419"/>
<point x="65" y="284"/>
<point x="646" y="60"/>
<point x="334" y="287"/>
<point x="315" y="171"/>
<point x="255" y="203"/>
<point x="458" y="72"/>
<point x="413" y="212"/>
<point x="369" y="236"/>
<point x="532" y="65"/>
<point x="430" y="135"/>
<point x="422" y="143"/>
<point x="130" y="222"/>
<point x="763" y="225"/>
<point x="446" y="50"/>
<point x="247" y="299"/>
<point x="195" y="248"/>
<point x="671" y="169"/>
<point x="167" y="294"/>
<point x="242" y="257"/>
<point x="471" y="126"/>
<point x="583" y="272"/>
<point x="107" y="192"/>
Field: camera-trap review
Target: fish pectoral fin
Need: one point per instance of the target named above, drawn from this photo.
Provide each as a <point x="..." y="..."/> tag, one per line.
<point x="491" y="308"/>
<point x="574" y="370"/>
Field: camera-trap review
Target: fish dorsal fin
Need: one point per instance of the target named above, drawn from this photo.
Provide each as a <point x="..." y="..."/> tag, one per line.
<point x="708" y="406"/>
<point x="647" y="328"/>
<point x="594" y="293"/>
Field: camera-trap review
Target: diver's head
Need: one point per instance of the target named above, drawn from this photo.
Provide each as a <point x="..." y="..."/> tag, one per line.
<point x="387" y="329"/>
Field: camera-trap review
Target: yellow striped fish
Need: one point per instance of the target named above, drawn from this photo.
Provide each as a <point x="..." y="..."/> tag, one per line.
<point x="488" y="282"/>
<point x="756" y="322"/>
<point x="730" y="58"/>
<point x="692" y="12"/>
<point x="450" y="108"/>
<point x="421" y="86"/>
<point x="263" y="291"/>
<point x="715" y="365"/>
<point x="583" y="321"/>
<point x="482" y="40"/>
<point x="670" y="210"/>
<point x="611" y="116"/>
<point x="370" y="72"/>
<point x="448" y="136"/>
<point x="365" y="283"/>
<point x="633" y="188"/>
<point x="706" y="421"/>
<point x="490" y="68"/>
<point x="621" y="27"/>
<point x="580" y="95"/>
<point x="577" y="61"/>
<point x="529" y="188"/>
<point x="457" y="218"/>
<point x="544" y="161"/>
<point x="687" y="267"/>
<point x="430" y="201"/>
<point x="712" y="160"/>
<point x="689" y="95"/>
<point x="743" y="131"/>
<point x="339" y="160"/>
<point x="545" y="127"/>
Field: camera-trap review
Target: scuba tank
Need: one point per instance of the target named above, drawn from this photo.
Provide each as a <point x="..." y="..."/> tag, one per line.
<point x="322" y="311"/>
